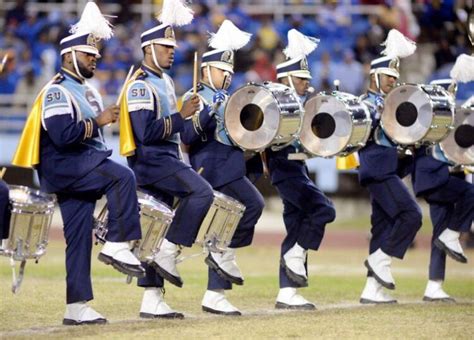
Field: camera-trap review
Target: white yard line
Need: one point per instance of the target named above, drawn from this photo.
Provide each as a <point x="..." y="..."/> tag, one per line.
<point x="35" y="331"/>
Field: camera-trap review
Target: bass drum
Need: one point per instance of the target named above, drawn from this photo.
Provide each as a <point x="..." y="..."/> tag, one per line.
<point x="335" y="124"/>
<point x="258" y="116"/>
<point x="458" y="146"/>
<point x="418" y="114"/>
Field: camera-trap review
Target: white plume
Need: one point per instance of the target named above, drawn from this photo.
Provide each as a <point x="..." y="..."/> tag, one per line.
<point x="229" y="37"/>
<point x="463" y="69"/>
<point x="299" y="45"/>
<point x="92" y="21"/>
<point x="175" y="13"/>
<point x="397" y="45"/>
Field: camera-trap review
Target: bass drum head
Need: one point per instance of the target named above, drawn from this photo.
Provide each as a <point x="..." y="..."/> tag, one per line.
<point x="458" y="146"/>
<point x="326" y="127"/>
<point x="252" y="115"/>
<point x="408" y="112"/>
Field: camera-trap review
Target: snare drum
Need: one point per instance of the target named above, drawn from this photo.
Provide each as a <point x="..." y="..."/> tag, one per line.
<point x="258" y="116"/>
<point x="32" y="213"/>
<point x="335" y="124"/>
<point x="220" y="223"/>
<point x="418" y="114"/>
<point x="155" y="219"/>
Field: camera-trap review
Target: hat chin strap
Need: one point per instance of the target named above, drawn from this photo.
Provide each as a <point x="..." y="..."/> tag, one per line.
<point x="155" y="61"/>
<point x="377" y="83"/>
<point x="291" y="82"/>
<point x="209" y="76"/>
<point x="76" y="67"/>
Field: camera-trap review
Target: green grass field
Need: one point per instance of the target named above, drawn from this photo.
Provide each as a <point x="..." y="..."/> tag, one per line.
<point x="337" y="277"/>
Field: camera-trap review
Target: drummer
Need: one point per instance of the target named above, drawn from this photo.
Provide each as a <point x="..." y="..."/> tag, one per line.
<point x="222" y="163"/>
<point x="156" y="125"/>
<point x="306" y="209"/>
<point x="396" y="216"/>
<point x="451" y="200"/>
<point x="74" y="164"/>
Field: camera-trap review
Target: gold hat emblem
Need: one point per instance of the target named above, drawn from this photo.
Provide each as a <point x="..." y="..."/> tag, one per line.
<point x="304" y="64"/>
<point x="228" y="57"/>
<point x="394" y="63"/>
<point x="92" y="40"/>
<point x="169" y="33"/>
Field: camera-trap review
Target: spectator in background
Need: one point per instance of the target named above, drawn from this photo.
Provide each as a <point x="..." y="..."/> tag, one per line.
<point x="10" y="75"/>
<point x="444" y="54"/>
<point x="350" y="73"/>
<point x="267" y="36"/>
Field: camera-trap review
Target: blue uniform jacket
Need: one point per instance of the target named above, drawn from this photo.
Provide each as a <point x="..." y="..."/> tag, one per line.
<point x="429" y="173"/>
<point x="71" y="143"/>
<point x="221" y="163"/>
<point x="156" y="126"/>
<point x="380" y="161"/>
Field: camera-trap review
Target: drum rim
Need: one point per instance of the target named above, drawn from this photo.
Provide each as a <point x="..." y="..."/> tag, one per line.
<point x="144" y="195"/>
<point x="50" y="202"/>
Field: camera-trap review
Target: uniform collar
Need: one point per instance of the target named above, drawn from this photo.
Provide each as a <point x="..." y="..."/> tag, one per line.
<point x="148" y="69"/>
<point x="71" y="75"/>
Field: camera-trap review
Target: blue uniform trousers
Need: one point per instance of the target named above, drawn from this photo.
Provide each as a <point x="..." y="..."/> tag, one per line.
<point x="246" y="193"/>
<point x="396" y="217"/>
<point x="451" y="206"/>
<point x="77" y="203"/>
<point x="195" y="196"/>
<point x="306" y="212"/>
<point x="4" y="210"/>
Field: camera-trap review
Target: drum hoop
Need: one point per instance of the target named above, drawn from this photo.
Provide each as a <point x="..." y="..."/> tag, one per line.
<point x="50" y="199"/>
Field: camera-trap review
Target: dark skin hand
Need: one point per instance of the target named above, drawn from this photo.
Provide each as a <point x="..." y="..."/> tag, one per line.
<point x="109" y="115"/>
<point x="190" y="106"/>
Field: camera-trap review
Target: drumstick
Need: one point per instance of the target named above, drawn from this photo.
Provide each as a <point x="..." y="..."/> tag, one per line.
<point x="200" y="170"/>
<point x="195" y="73"/>
<point x="2" y="172"/>
<point x="4" y="61"/>
<point x="124" y="86"/>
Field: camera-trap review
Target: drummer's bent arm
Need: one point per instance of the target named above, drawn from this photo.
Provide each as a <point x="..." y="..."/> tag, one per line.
<point x="147" y="129"/>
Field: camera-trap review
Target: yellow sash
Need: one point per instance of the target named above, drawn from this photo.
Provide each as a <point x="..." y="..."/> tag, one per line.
<point x="127" y="141"/>
<point x="28" y="149"/>
<point x="347" y="163"/>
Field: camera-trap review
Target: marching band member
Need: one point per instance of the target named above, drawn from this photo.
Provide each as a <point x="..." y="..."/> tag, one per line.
<point x="396" y="217"/>
<point x="306" y="209"/>
<point x="450" y="197"/>
<point x="151" y="108"/>
<point x="73" y="162"/>
<point x="222" y="162"/>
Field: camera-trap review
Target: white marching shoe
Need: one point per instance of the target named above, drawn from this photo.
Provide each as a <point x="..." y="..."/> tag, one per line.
<point x="293" y="261"/>
<point x="164" y="262"/>
<point x="225" y="265"/>
<point x="288" y="299"/>
<point x="215" y="302"/>
<point x="154" y="306"/>
<point x="118" y="255"/>
<point x="79" y="313"/>
<point x="374" y="293"/>
<point x="448" y="241"/>
<point x="434" y="292"/>
<point x="380" y="264"/>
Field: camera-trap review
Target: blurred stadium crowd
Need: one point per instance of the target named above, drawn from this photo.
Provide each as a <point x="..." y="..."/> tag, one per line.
<point x="350" y="32"/>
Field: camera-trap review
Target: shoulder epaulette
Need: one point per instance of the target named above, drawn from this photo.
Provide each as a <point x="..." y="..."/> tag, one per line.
<point x="58" y="78"/>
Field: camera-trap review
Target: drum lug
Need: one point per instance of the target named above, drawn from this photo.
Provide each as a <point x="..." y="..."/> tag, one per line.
<point x="434" y="126"/>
